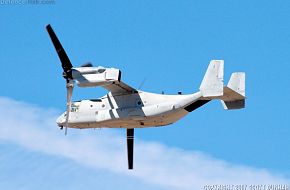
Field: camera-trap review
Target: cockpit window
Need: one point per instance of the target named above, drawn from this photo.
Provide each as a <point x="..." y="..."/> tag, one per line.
<point x="74" y="108"/>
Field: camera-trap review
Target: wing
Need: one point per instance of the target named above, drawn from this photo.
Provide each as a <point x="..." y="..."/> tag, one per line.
<point x="119" y="87"/>
<point x="108" y="78"/>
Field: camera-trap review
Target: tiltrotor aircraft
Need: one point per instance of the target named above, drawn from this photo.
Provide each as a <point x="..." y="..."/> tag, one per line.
<point x="127" y="107"/>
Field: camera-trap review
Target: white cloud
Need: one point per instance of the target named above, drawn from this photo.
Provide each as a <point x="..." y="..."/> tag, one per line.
<point x="34" y="128"/>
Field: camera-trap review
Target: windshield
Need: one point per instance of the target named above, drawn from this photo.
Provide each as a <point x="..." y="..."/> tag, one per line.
<point x="74" y="107"/>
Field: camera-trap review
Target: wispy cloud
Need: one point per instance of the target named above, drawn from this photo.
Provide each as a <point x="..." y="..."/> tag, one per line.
<point x="34" y="128"/>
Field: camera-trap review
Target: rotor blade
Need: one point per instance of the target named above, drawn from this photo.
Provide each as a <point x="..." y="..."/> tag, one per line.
<point x="69" y="88"/>
<point x="141" y="84"/>
<point x="65" y="62"/>
<point x="130" y="147"/>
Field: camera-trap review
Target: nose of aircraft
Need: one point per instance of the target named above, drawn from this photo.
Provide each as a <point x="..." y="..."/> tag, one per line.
<point x="61" y="120"/>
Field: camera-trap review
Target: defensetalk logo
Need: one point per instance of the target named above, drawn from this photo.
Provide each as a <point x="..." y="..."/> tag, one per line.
<point x="27" y="2"/>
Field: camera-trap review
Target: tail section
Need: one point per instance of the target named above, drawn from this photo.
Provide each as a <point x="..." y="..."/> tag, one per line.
<point x="213" y="81"/>
<point x="234" y="92"/>
<point x="212" y="86"/>
<point x="237" y="83"/>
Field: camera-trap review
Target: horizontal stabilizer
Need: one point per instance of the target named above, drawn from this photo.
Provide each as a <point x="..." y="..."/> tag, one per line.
<point x="231" y="95"/>
<point x="213" y="80"/>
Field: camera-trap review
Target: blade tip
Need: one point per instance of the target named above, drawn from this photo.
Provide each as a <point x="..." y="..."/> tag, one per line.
<point x="48" y="26"/>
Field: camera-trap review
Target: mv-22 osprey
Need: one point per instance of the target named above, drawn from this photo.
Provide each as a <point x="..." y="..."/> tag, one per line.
<point x="127" y="107"/>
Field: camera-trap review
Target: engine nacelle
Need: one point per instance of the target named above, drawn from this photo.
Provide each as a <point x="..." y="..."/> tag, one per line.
<point x="95" y="76"/>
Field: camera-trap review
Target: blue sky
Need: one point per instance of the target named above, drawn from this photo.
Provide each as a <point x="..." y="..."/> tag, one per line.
<point x="168" y="43"/>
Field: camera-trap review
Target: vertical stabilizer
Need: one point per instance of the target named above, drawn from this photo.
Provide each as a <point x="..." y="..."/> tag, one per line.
<point x="234" y="92"/>
<point x="213" y="81"/>
<point x="237" y="82"/>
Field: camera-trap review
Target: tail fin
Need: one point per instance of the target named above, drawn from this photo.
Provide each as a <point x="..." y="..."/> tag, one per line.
<point x="234" y="92"/>
<point x="213" y="80"/>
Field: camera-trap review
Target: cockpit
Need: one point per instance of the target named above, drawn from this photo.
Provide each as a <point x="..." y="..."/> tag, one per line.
<point x="75" y="106"/>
